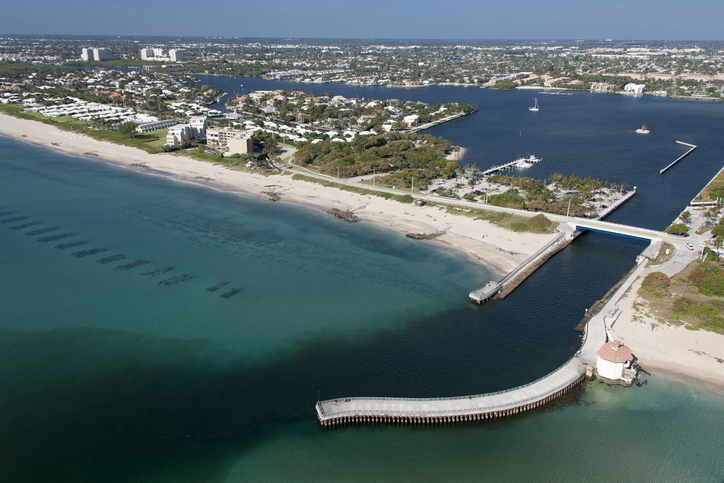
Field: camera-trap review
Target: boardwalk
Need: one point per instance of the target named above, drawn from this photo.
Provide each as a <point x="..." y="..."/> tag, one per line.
<point x="468" y="408"/>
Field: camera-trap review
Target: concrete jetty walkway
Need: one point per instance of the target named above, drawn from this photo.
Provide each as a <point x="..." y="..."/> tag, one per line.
<point x="352" y="410"/>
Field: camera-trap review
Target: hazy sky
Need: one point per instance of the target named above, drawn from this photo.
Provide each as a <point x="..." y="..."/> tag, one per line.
<point x="418" y="19"/>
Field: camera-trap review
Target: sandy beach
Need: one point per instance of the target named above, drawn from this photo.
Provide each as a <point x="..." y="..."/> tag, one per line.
<point x="498" y="248"/>
<point x="695" y="356"/>
<point x="675" y="351"/>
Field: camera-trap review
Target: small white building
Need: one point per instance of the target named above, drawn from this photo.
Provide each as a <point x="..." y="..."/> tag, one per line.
<point x="615" y="364"/>
<point x="632" y="88"/>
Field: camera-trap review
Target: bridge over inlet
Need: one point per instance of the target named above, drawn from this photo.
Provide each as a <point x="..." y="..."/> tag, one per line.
<point x="353" y="410"/>
<point x="621" y="230"/>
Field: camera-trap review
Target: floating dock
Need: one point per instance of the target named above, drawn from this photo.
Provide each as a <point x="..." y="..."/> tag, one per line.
<point x="691" y="146"/>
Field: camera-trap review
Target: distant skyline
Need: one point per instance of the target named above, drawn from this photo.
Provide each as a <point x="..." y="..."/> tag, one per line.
<point x="451" y="19"/>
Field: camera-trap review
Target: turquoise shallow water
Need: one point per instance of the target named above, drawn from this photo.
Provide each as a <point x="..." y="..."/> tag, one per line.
<point x="124" y="365"/>
<point x="600" y="433"/>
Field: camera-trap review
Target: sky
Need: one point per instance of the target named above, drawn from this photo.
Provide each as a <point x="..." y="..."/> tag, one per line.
<point x="398" y="19"/>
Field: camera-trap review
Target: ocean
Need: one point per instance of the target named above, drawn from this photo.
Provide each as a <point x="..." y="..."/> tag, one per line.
<point x="159" y="330"/>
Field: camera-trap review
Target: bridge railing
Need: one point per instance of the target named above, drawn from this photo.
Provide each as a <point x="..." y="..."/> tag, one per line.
<point x="555" y="389"/>
<point x="530" y="260"/>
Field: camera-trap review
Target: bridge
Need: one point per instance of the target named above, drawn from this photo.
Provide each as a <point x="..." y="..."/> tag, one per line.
<point x="621" y="230"/>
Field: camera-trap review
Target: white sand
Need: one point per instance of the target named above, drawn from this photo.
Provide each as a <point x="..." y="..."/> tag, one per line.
<point x="493" y="246"/>
<point x="676" y="351"/>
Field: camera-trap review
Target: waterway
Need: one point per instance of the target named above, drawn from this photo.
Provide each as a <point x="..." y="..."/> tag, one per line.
<point x="111" y="372"/>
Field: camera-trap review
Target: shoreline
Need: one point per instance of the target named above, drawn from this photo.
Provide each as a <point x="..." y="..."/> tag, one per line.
<point x="497" y="248"/>
<point x="695" y="357"/>
<point x="500" y="250"/>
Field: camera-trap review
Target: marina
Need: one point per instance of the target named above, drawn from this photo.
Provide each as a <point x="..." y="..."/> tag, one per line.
<point x="520" y="163"/>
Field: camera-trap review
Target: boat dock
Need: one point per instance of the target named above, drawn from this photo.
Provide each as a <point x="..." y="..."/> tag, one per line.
<point x="430" y="124"/>
<point x="512" y="164"/>
<point x="691" y="146"/>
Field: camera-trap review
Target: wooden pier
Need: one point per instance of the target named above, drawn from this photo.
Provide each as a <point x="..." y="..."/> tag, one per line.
<point x="691" y="146"/>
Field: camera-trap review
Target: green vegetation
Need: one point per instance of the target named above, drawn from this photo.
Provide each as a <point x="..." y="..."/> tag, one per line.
<point x="708" y="314"/>
<point x="569" y="196"/>
<point x="388" y="196"/>
<point x="504" y="85"/>
<point x="708" y="278"/>
<point x="694" y="297"/>
<point x="408" y="158"/>
<point x="677" y="229"/>
<point x="656" y="284"/>
<point x="536" y="224"/>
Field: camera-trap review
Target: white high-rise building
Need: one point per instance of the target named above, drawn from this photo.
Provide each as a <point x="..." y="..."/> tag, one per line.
<point x="147" y="54"/>
<point x="176" y="55"/>
<point x="177" y="134"/>
<point x="198" y="126"/>
<point x="102" y="54"/>
<point x="95" y="53"/>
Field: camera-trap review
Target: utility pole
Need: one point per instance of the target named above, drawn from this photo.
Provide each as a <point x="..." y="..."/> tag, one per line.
<point x="373" y="176"/>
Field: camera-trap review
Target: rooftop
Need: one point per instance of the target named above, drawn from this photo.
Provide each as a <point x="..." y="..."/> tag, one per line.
<point x="615" y="352"/>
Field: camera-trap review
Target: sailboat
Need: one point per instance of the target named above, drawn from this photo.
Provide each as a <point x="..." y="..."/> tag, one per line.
<point x="534" y="108"/>
<point x="642" y="130"/>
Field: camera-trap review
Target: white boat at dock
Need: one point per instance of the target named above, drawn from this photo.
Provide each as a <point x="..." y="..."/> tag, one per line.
<point x="534" y="108"/>
<point x="520" y="163"/>
<point x="525" y="163"/>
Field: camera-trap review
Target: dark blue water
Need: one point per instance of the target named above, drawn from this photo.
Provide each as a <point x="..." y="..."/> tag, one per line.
<point x="109" y="373"/>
